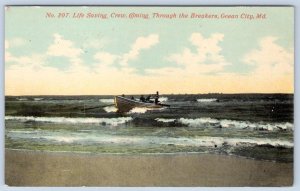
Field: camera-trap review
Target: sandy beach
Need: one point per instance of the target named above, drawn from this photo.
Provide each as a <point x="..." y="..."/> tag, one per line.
<point x="33" y="168"/>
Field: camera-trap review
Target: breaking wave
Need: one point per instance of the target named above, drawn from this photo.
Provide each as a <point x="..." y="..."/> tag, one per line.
<point x="38" y="99"/>
<point x="110" y="100"/>
<point x="204" y="141"/>
<point x="143" y="110"/>
<point x="163" y="99"/>
<point x="108" y="121"/>
<point x="225" y="123"/>
<point x="22" y="99"/>
<point x="207" y="100"/>
<point x="165" y="120"/>
<point x="220" y="141"/>
<point x="110" y="109"/>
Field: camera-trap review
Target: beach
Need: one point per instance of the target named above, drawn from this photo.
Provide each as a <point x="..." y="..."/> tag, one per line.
<point x="38" y="168"/>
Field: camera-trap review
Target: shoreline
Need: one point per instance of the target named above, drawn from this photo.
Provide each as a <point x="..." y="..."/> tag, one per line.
<point x="43" y="168"/>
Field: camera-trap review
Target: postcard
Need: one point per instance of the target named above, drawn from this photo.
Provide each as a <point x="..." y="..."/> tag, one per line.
<point x="149" y="96"/>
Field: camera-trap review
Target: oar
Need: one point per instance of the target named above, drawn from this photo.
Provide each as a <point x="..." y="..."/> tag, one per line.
<point x="165" y="105"/>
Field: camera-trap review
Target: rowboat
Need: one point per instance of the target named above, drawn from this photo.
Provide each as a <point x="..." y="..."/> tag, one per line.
<point x="125" y="104"/>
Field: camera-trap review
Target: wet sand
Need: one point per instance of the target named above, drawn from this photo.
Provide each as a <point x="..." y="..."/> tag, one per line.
<point x="33" y="168"/>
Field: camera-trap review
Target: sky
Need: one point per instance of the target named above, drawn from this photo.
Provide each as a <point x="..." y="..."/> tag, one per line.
<point x="47" y="55"/>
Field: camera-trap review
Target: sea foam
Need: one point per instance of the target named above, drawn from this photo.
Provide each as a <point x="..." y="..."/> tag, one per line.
<point x="107" y="100"/>
<point x="225" y="123"/>
<point x="165" y="120"/>
<point x="142" y="110"/>
<point x="110" y="109"/>
<point x="207" y="100"/>
<point x="108" y="121"/>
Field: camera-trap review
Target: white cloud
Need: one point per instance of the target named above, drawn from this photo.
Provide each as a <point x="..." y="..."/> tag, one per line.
<point x="208" y="50"/>
<point x="31" y="76"/>
<point x="35" y="59"/>
<point x="271" y="60"/>
<point x="140" y="44"/>
<point x="14" y="42"/>
<point x="206" y="59"/>
<point x="62" y="47"/>
<point x="105" y="58"/>
<point x="65" y="48"/>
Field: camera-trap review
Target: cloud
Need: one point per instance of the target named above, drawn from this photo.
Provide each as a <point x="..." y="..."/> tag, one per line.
<point x="206" y="59"/>
<point x="105" y="58"/>
<point x="35" y="59"/>
<point x="271" y="59"/>
<point x="65" y="48"/>
<point x="208" y="52"/>
<point x="59" y="47"/>
<point x="16" y="42"/>
<point x="141" y="43"/>
<point x="274" y="66"/>
<point x="32" y="77"/>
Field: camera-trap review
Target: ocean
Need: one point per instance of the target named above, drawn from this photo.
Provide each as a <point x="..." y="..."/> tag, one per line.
<point x="257" y="126"/>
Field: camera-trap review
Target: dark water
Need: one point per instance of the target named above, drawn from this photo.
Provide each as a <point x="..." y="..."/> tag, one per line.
<point x="258" y="126"/>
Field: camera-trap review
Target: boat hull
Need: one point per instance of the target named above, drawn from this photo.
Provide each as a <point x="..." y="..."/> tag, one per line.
<point x="124" y="104"/>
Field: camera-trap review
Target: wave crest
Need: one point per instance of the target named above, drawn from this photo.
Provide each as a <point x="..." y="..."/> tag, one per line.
<point x="108" y="121"/>
<point x="110" y="100"/>
<point x="226" y="123"/>
<point x="207" y="100"/>
<point x="110" y="109"/>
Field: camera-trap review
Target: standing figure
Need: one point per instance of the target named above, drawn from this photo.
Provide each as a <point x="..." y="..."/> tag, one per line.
<point x="156" y="98"/>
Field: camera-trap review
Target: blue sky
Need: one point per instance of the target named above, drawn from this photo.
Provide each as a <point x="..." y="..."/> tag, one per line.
<point x="69" y="55"/>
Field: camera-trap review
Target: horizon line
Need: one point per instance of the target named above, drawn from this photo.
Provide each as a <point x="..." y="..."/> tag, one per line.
<point x="144" y="94"/>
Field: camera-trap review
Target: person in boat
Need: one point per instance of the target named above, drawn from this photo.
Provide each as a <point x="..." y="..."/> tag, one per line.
<point x="148" y="98"/>
<point x="156" y="97"/>
<point x="142" y="98"/>
<point x="132" y="97"/>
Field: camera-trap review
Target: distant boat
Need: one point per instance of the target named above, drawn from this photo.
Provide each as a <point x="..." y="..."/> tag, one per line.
<point x="125" y="104"/>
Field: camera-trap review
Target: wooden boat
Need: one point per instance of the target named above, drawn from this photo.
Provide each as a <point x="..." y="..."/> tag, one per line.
<point x="125" y="104"/>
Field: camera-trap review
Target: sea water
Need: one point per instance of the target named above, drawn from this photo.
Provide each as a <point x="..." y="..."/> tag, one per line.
<point x="258" y="126"/>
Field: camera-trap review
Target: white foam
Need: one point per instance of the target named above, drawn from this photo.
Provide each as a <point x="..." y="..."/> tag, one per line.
<point x="259" y="141"/>
<point x="142" y="110"/>
<point x="110" y="109"/>
<point x="204" y="141"/>
<point x="107" y="100"/>
<point x="81" y="138"/>
<point x="165" y="120"/>
<point x="22" y="99"/>
<point x="163" y="99"/>
<point x="198" y="121"/>
<point x="38" y="99"/>
<point x="225" y="123"/>
<point x="219" y="141"/>
<point x="109" y="121"/>
<point x="64" y="139"/>
<point x="207" y="100"/>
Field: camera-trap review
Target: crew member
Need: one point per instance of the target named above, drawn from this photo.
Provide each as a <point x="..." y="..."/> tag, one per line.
<point x="156" y="98"/>
<point x="142" y="98"/>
